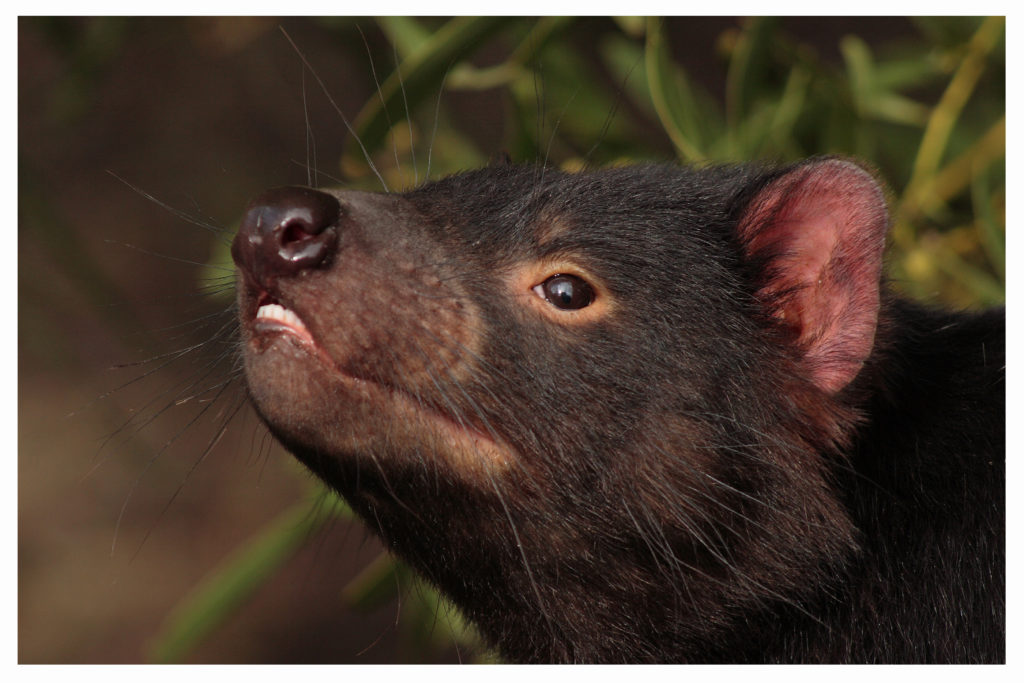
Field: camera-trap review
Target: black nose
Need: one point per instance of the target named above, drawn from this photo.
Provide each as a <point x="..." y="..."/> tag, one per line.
<point x="286" y="230"/>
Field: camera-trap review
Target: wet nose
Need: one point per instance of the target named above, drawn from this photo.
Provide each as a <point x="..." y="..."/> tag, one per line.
<point x="286" y="230"/>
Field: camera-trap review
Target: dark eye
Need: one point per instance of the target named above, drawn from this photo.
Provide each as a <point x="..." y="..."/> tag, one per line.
<point x="566" y="292"/>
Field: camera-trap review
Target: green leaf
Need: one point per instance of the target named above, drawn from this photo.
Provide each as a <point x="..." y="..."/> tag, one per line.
<point x="947" y="30"/>
<point x="467" y="77"/>
<point x="429" y="623"/>
<point x="859" y="70"/>
<point x="419" y="76"/>
<point x="378" y="583"/>
<point x="941" y="123"/>
<point x="432" y="623"/>
<point x="405" y="33"/>
<point x="944" y="116"/>
<point x="624" y="59"/>
<point x="871" y="98"/>
<point x="241" y="575"/>
<point x="748" y="74"/>
<point x="782" y="116"/>
<point x="672" y="96"/>
<point x="992" y="232"/>
<point x="632" y="26"/>
<point x="898" y="109"/>
<point x="981" y="284"/>
<point x="906" y="73"/>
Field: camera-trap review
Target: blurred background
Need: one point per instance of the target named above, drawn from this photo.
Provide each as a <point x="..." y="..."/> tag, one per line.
<point x="157" y="520"/>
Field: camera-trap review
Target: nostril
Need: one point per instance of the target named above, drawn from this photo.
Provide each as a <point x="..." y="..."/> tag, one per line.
<point x="296" y="245"/>
<point x="295" y="232"/>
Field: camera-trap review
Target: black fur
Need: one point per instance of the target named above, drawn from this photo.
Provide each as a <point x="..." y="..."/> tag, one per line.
<point x="669" y="479"/>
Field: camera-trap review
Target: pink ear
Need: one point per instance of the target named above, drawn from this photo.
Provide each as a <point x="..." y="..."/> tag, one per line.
<point x="818" y="232"/>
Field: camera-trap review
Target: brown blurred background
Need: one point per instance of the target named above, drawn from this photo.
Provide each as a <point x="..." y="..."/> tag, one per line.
<point x="202" y="113"/>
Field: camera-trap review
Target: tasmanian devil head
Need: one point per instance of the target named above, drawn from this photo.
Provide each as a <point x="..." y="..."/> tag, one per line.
<point x="599" y="410"/>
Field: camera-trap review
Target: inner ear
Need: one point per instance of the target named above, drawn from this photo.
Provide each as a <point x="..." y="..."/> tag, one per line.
<point x="816" y="235"/>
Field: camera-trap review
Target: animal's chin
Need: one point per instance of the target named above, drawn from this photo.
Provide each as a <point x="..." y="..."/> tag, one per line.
<point x="314" y="405"/>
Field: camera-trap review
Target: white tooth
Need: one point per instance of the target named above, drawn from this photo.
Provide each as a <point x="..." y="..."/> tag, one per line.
<point x="280" y="314"/>
<point x="270" y="311"/>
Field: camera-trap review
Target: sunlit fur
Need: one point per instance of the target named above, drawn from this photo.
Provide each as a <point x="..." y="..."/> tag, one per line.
<point x="667" y="479"/>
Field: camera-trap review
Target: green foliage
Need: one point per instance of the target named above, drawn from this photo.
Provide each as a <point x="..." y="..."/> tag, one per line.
<point x="429" y="624"/>
<point x="242" y="574"/>
<point x="927" y="111"/>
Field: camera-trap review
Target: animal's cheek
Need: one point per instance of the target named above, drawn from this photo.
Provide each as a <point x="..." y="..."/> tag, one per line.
<point x="374" y="374"/>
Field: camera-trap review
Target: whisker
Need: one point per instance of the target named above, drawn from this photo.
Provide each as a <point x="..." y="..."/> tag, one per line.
<point x="383" y="102"/>
<point x="187" y="217"/>
<point x="337" y="109"/>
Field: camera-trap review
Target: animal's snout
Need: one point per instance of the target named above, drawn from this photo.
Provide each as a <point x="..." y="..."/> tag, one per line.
<point x="286" y="230"/>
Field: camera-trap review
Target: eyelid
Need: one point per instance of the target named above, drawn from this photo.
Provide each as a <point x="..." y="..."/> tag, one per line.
<point x="525" y="278"/>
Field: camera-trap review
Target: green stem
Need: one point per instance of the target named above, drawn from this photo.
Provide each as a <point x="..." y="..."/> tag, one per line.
<point x="941" y="122"/>
<point x="220" y="594"/>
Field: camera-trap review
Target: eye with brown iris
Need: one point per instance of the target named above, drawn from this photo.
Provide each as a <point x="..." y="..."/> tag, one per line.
<point x="566" y="292"/>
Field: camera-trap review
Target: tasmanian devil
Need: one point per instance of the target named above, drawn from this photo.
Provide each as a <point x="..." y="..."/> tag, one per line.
<point x="644" y="414"/>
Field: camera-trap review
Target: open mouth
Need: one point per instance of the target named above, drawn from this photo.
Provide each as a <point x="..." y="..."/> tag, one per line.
<point x="273" y="317"/>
